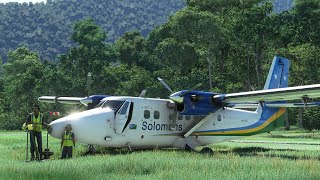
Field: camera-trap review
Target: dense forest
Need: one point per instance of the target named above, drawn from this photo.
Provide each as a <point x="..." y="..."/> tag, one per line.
<point x="234" y="40"/>
<point x="47" y="27"/>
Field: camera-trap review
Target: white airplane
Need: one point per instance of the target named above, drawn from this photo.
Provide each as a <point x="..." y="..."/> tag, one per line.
<point x="187" y="119"/>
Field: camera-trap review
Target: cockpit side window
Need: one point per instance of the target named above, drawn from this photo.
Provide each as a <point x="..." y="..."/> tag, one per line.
<point x="124" y="108"/>
<point x="113" y="104"/>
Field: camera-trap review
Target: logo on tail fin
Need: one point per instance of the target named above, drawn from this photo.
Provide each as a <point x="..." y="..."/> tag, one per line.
<point x="278" y="74"/>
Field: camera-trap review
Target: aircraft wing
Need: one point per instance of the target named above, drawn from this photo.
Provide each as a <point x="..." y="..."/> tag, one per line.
<point x="255" y="105"/>
<point x="313" y="104"/>
<point x="64" y="100"/>
<point x="270" y="95"/>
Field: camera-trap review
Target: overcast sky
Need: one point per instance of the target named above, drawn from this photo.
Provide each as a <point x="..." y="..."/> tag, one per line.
<point x="21" y="1"/>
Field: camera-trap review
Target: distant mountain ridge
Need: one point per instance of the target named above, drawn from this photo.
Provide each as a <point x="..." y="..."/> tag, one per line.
<point x="47" y="27"/>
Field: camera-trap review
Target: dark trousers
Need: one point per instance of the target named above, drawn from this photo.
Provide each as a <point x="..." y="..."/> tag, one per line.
<point x="33" y="135"/>
<point x="66" y="152"/>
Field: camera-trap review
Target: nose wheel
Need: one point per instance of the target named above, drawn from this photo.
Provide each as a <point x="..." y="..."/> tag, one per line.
<point x="90" y="150"/>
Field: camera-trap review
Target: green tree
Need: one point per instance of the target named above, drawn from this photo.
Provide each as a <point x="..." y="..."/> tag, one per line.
<point x="91" y="55"/>
<point x="22" y="75"/>
<point x="130" y="47"/>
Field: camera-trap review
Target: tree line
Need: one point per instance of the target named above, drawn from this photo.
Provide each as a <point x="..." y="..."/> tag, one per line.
<point x="234" y="40"/>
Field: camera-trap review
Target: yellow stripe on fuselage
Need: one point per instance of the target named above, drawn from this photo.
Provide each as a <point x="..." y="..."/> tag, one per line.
<point x="246" y="131"/>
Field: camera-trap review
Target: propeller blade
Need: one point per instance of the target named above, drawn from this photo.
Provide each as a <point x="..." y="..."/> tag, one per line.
<point x="164" y="84"/>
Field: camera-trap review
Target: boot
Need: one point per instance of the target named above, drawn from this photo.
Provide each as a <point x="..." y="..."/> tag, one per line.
<point x="32" y="158"/>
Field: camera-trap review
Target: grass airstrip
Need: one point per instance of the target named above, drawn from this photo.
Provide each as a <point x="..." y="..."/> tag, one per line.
<point x="280" y="155"/>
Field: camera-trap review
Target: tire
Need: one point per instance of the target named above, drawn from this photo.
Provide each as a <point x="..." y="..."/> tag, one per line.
<point x="207" y="151"/>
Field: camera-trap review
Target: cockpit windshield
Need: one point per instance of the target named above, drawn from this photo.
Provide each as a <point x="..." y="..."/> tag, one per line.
<point x="100" y="103"/>
<point x="112" y="104"/>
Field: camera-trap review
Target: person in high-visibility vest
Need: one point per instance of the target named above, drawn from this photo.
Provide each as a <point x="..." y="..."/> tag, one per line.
<point x="34" y="124"/>
<point x="67" y="142"/>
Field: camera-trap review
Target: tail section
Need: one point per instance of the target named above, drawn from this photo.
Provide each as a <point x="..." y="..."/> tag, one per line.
<point x="277" y="78"/>
<point x="278" y="74"/>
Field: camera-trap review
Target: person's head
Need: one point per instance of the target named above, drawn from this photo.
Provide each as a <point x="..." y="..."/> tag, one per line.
<point x="68" y="127"/>
<point x="36" y="108"/>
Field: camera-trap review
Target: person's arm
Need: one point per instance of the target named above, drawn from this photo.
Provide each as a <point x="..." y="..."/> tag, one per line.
<point x="73" y="140"/>
<point x="62" y="141"/>
<point x="28" y="121"/>
<point x="44" y="123"/>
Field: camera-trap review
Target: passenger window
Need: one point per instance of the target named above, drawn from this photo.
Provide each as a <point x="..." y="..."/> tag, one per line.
<point x="156" y="115"/>
<point x="180" y="117"/>
<point x="219" y="117"/>
<point x="188" y="118"/>
<point x="146" y="114"/>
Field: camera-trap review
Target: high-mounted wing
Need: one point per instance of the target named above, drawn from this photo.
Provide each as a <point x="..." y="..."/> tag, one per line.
<point x="271" y="95"/>
<point x="90" y="101"/>
<point x="64" y="100"/>
<point x="255" y="105"/>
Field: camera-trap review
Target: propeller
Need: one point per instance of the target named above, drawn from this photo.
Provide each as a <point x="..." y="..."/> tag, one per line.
<point x="177" y="98"/>
<point x="164" y="84"/>
<point x="175" y="112"/>
<point x="89" y="81"/>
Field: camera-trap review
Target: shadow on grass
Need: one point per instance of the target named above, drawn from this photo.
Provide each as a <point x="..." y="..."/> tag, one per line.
<point x="123" y="151"/>
<point x="241" y="151"/>
<point x="263" y="152"/>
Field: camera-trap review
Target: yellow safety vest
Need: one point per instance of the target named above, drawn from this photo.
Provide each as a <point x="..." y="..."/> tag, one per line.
<point x="67" y="139"/>
<point x="36" y="122"/>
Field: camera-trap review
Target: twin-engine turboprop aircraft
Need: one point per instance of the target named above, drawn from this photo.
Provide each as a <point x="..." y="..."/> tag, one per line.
<point x="187" y="119"/>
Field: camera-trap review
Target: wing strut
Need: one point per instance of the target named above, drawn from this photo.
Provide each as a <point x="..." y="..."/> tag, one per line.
<point x="198" y="125"/>
<point x="305" y="101"/>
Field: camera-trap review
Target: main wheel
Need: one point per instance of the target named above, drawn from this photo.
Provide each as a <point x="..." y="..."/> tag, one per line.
<point x="207" y="151"/>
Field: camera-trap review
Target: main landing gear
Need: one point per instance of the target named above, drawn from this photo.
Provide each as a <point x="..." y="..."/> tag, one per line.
<point x="205" y="150"/>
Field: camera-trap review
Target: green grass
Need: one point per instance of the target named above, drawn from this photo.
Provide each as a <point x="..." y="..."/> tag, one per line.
<point x="232" y="160"/>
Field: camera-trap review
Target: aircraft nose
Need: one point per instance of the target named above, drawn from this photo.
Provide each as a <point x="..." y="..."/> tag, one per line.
<point x="56" y="128"/>
<point x="91" y="122"/>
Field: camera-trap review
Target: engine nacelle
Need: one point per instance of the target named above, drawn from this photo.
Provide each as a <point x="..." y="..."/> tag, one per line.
<point x="198" y="103"/>
<point x="92" y="101"/>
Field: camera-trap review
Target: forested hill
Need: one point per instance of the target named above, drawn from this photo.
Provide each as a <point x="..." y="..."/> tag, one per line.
<point x="227" y="46"/>
<point x="47" y="27"/>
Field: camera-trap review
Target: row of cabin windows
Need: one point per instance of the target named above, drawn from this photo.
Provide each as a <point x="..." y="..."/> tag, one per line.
<point x="156" y="115"/>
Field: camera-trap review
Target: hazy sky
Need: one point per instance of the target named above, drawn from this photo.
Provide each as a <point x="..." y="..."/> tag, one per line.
<point x="21" y="1"/>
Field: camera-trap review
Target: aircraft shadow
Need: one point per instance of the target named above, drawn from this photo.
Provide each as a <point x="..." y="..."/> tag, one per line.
<point x="123" y="151"/>
<point x="241" y="151"/>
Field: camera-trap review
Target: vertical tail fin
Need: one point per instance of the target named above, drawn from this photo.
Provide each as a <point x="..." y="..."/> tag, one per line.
<point x="278" y="74"/>
<point x="277" y="78"/>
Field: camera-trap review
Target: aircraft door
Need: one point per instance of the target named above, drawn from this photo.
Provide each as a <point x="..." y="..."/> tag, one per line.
<point x="123" y="117"/>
